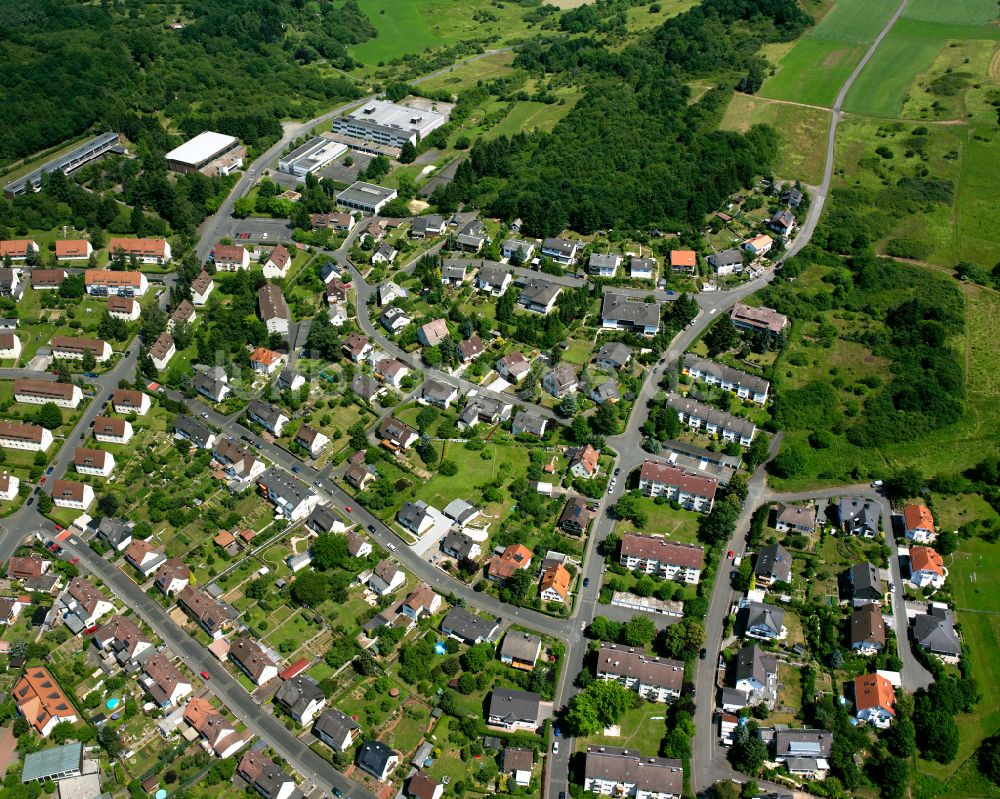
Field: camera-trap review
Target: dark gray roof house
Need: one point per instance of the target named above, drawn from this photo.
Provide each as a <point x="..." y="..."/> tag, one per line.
<point x="613" y="355"/>
<point x="762" y="621"/>
<point x="513" y="708"/>
<point x="774" y="565"/>
<point x="858" y="516"/>
<point x="527" y="422"/>
<point x="459" y="545"/>
<point x="865" y="582"/>
<point x="194" y="431"/>
<point x="519" y="648"/>
<point x="322" y="519"/>
<point x="298" y="694"/>
<point x="366" y="387"/>
<point x="414" y="516"/>
<point x="267" y="415"/>
<point x="376" y="758"/>
<point x="115" y="532"/>
<point x="935" y="631"/>
<point x="802" y="743"/>
<point x="791" y="197"/>
<point x="336" y="729"/>
<point x="468" y="627"/>
<point x="725" y="259"/>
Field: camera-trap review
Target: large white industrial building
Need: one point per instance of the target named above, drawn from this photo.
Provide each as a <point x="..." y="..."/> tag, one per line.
<point x="206" y="150"/>
<point x="388" y="124"/>
<point x="314" y="154"/>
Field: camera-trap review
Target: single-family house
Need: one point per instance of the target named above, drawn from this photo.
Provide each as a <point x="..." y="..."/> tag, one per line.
<point x="926" y="567"/>
<point x="520" y="650"/>
<point x="867" y="629"/>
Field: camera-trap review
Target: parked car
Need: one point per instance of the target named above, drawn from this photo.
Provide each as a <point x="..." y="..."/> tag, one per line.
<point x="586" y="581"/>
<point x="371" y="528"/>
<point x="205" y="676"/>
<point x="50" y="470"/>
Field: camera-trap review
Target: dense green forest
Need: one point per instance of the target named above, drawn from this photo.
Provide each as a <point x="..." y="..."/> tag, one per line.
<point x="67" y="68"/>
<point x="633" y="152"/>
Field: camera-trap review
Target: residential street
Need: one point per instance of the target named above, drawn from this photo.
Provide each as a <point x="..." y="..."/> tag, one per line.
<point x="708" y="761"/>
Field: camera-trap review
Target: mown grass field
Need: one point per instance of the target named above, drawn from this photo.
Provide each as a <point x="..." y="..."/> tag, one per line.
<point x="802" y="131"/>
<point x="910" y="49"/>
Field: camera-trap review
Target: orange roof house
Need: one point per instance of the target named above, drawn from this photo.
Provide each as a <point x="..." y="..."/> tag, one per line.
<point x="683" y="260"/>
<point x="926" y="559"/>
<point x="919" y="522"/>
<point x="73" y="248"/>
<point x="554" y="586"/>
<point x="874" y="691"/>
<point x="515" y="557"/>
<point x="41" y="701"/>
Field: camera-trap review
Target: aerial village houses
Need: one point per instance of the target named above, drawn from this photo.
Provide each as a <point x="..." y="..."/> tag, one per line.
<point x="758" y="320"/>
<point x="277" y="263"/>
<point x="612" y="771"/>
<point x="218" y="733"/>
<point x="70" y="494"/>
<point x="41" y="701"/>
<point x="919" y="523"/>
<point x="231" y="257"/>
<point x="17" y="249"/>
<point x="520" y="650"/>
<point x="692" y="491"/>
<point x="744" y="385"/>
<point x="212" y="616"/>
<point x="109" y="283"/>
<point x="926" y="567"/>
<point x="273" y="309"/>
<point x="108" y="430"/>
<point x="668" y="559"/>
<point x="201" y="287"/>
<point x="47" y="279"/>
<point x="10" y="346"/>
<point x="124" y="308"/>
<point x="75" y="349"/>
<point x="19" y="435"/>
<point x="145" y="251"/>
<point x="126" y="401"/>
<point x="654" y="679"/>
<point x="38" y="392"/>
<point x="699" y="416"/>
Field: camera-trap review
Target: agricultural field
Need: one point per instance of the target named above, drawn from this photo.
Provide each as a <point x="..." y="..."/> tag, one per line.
<point x="813" y="71"/>
<point x="802" y="130"/>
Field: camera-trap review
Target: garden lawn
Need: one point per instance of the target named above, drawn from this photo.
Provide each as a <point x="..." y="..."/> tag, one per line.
<point x="473" y="470"/>
<point x="677" y="525"/>
<point x="641" y="729"/>
<point x="974" y="573"/>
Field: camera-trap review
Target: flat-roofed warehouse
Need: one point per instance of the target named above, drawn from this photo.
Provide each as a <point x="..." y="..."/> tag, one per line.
<point x="391" y="124"/>
<point x="67" y="162"/>
<point x="197" y="154"/>
<point x="314" y="154"/>
<point x="366" y="197"/>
